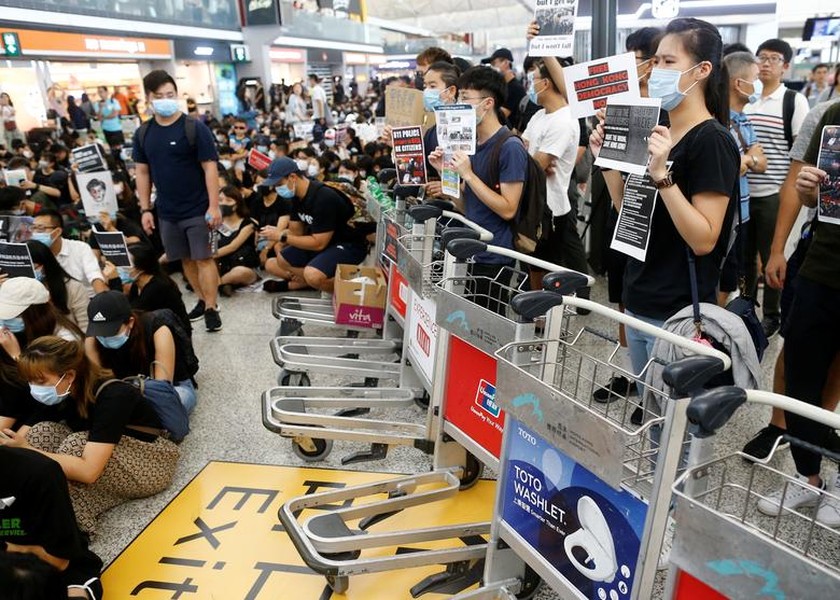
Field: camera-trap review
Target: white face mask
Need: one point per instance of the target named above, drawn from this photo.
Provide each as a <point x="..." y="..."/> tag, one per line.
<point x="302" y="164"/>
<point x="313" y="170"/>
<point x="118" y="188"/>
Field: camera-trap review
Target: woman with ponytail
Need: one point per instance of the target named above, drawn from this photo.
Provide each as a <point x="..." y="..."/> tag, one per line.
<point x="105" y="435"/>
<point x="695" y="166"/>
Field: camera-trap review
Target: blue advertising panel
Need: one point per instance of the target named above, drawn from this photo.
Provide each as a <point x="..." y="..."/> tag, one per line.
<point x="589" y="532"/>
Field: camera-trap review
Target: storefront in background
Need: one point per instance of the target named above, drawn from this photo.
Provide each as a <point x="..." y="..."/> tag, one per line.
<point x="203" y="72"/>
<point x="288" y="65"/>
<point x="358" y="67"/>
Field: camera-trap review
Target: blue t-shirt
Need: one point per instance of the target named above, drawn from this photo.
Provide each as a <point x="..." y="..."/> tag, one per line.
<point x="110" y="110"/>
<point x="739" y="122"/>
<point x="175" y="167"/>
<point x="513" y="168"/>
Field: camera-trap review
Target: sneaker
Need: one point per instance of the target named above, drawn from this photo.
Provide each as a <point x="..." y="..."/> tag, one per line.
<point x="762" y="444"/>
<point x="832" y="442"/>
<point x="583" y="293"/>
<point x="197" y="312"/>
<point x="212" y="320"/>
<point x="617" y="387"/>
<point x="771" y="326"/>
<point x="667" y="544"/>
<point x="798" y="494"/>
<point x="829" y="511"/>
<point x="637" y="416"/>
<point x="274" y="286"/>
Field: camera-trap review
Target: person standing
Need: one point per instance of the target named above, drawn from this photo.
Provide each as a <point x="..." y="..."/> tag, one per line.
<point x="320" y="106"/>
<point x="7" y="117"/>
<point x="185" y="174"/>
<point x="502" y="61"/>
<point x="296" y="106"/>
<point x="816" y="83"/>
<point x="768" y="118"/>
<point x="108" y="111"/>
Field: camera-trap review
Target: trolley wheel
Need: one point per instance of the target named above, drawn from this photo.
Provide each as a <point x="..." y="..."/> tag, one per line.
<point x="531" y="584"/>
<point x="473" y="470"/>
<point x="312" y="449"/>
<point x="423" y="401"/>
<point x="291" y="378"/>
<point x="338" y="583"/>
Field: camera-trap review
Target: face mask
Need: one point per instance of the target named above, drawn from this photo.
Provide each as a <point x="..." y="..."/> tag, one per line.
<point x="114" y="342"/>
<point x="226" y="210"/>
<point x="479" y="118"/>
<point x="48" y="394"/>
<point x="39" y="274"/>
<point x="28" y="153"/>
<point x="165" y="107"/>
<point x="640" y="66"/>
<point x="758" y="88"/>
<point x="302" y="165"/>
<point x="262" y="149"/>
<point x="665" y="84"/>
<point x="45" y="237"/>
<point x="533" y="94"/>
<point x="431" y="99"/>
<point x="284" y="191"/>
<point x="118" y="188"/>
<point x="313" y="170"/>
<point x="126" y="278"/>
<point x="14" y="325"/>
<point x="42" y="164"/>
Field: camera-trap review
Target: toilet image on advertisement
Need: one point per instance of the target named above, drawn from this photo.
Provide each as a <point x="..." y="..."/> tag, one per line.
<point x="595" y="538"/>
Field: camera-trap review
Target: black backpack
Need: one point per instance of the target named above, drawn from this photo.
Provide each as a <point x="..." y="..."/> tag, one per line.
<point x="788" y="108"/>
<point x="533" y="221"/>
<point x="189" y="129"/>
<point x="183" y="341"/>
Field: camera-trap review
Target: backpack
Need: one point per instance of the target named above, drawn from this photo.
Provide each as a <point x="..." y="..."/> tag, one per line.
<point x="189" y="129"/>
<point x="183" y="341"/>
<point x="788" y="108"/>
<point x="533" y="220"/>
<point x="165" y="401"/>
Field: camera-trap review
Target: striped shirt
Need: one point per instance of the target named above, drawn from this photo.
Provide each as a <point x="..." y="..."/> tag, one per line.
<point x="766" y="118"/>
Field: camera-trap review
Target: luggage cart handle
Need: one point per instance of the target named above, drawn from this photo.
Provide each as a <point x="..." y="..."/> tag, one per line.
<point x="435" y="210"/>
<point x="457" y="233"/>
<point x="530" y="305"/>
<point x="688" y="375"/>
<point x="712" y="409"/>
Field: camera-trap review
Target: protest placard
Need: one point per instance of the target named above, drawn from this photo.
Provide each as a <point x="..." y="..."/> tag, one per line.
<point x="258" y="160"/>
<point x="456" y="128"/>
<point x="632" y="232"/>
<point x="627" y="128"/>
<point x="450" y="180"/>
<point x="590" y="84"/>
<point x="304" y="130"/>
<point x="113" y="247"/>
<point x="15" y="260"/>
<point x="403" y="107"/>
<point x="14" y="177"/>
<point x="409" y="155"/>
<point x="98" y="194"/>
<point x="556" y="19"/>
<point x="829" y="161"/>
<point x="89" y="158"/>
<point x="15" y="228"/>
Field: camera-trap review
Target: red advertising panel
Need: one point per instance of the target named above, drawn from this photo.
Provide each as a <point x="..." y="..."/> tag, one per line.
<point x="689" y="588"/>
<point x="397" y="291"/>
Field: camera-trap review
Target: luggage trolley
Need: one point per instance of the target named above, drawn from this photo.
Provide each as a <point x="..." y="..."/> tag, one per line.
<point x="584" y="494"/>
<point x="723" y="546"/>
<point x="327" y="543"/>
<point x="286" y="409"/>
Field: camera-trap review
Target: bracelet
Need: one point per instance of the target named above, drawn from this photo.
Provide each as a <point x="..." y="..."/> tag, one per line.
<point x="146" y="210"/>
<point x="754" y="160"/>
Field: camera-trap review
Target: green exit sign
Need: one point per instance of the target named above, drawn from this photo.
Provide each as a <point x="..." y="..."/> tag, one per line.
<point x="11" y="44"/>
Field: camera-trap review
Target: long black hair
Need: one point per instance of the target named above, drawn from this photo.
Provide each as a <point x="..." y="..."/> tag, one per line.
<point x="702" y="41"/>
<point x="55" y="277"/>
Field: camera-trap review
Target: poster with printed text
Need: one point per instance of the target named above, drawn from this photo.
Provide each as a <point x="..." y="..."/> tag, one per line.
<point x="632" y="232"/>
<point x="829" y="161"/>
<point x="456" y="128"/>
<point x="556" y="19"/>
<point x="403" y="107"/>
<point x="113" y="247"/>
<point x="90" y="158"/>
<point x="409" y="155"/>
<point x="450" y="180"/>
<point x="98" y="194"/>
<point x="15" y="260"/>
<point x="627" y="128"/>
<point x="589" y="84"/>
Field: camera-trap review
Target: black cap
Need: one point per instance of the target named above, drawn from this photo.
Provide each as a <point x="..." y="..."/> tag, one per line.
<point x="107" y="312"/>
<point x="280" y="168"/>
<point x="500" y="53"/>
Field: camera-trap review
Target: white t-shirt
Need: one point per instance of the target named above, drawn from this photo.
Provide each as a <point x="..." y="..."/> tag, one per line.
<point x="318" y="93"/>
<point x="80" y="263"/>
<point x="555" y="134"/>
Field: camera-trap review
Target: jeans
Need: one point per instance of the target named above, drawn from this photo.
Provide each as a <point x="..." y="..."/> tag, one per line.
<point x="640" y="346"/>
<point x="186" y="392"/>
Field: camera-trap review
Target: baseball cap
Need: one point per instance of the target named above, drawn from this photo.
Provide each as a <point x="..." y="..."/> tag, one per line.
<point x="107" y="312"/>
<point x="19" y="293"/>
<point x="500" y="53"/>
<point x="280" y="168"/>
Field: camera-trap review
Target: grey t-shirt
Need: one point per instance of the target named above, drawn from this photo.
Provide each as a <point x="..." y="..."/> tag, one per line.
<point x="809" y="126"/>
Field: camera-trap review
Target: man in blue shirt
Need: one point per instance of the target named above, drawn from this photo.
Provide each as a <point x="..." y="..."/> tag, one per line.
<point x="184" y="171"/>
<point x="744" y="88"/>
<point x="108" y="111"/>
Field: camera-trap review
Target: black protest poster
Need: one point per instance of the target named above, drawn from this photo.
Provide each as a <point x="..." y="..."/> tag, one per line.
<point x="89" y="158"/>
<point x="627" y="127"/>
<point x="632" y="232"/>
<point x="15" y="260"/>
<point x="113" y="247"/>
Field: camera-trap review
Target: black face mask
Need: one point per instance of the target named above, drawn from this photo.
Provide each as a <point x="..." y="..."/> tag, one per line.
<point x="227" y="210"/>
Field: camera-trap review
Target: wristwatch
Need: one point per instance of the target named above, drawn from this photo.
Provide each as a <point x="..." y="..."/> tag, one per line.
<point x="284" y="236"/>
<point x="665" y="182"/>
<point x="146" y="210"/>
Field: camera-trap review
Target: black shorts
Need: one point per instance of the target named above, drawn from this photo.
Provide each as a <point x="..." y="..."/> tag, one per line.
<point x="326" y="260"/>
<point x="114" y="138"/>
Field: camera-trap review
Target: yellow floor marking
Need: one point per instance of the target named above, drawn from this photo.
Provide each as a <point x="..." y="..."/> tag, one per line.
<point x="220" y="538"/>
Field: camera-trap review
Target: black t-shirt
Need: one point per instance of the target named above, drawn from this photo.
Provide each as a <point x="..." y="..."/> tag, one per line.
<point x="515" y="93"/>
<point x="246" y="254"/>
<point x="159" y="293"/>
<point x="117" y="405"/>
<point x="821" y="263"/>
<point x="704" y="160"/>
<point x="324" y="209"/>
<point x="430" y="144"/>
<point x="267" y="214"/>
<point x="41" y="514"/>
<point x="16" y="402"/>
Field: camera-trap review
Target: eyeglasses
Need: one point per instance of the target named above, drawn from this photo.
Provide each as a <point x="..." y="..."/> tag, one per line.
<point x="240" y="128"/>
<point x="775" y="60"/>
<point x="465" y="99"/>
<point x="41" y="228"/>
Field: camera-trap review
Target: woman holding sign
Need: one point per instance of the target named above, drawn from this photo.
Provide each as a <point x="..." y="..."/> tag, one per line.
<point x="694" y="167"/>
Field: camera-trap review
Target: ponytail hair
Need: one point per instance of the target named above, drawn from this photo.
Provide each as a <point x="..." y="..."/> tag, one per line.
<point x="703" y="42"/>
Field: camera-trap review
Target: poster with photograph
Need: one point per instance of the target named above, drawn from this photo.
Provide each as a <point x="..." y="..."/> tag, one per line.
<point x="98" y="194"/>
<point x="14" y="177"/>
<point x="409" y="155"/>
<point x="15" y="228"/>
<point x="456" y="128"/>
<point x="15" y="260"/>
<point x="589" y="532"/>
<point x="557" y="28"/>
<point x="113" y="247"/>
<point x="90" y="158"/>
<point x="829" y="161"/>
<point x="627" y="128"/>
<point x="450" y="180"/>
<point x="589" y="84"/>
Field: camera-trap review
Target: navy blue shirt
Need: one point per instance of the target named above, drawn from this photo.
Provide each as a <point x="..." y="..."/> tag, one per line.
<point x="513" y="168"/>
<point x="175" y="167"/>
